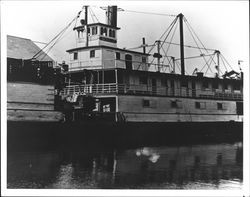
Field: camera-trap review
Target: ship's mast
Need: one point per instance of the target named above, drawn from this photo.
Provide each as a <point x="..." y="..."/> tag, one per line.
<point x="159" y="57"/>
<point x="86" y="22"/>
<point x="181" y="44"/>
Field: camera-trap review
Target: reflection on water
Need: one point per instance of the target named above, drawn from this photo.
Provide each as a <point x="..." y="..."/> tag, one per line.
<point x="215" y="166"/>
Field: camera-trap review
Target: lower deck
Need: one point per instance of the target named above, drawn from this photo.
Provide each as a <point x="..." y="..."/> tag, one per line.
<point x="132" y="108"/>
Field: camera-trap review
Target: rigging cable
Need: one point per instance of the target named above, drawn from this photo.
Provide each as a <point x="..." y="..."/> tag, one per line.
<point x="226" y="61"/>
<point x="91" y="14"/>
<point x="58" y="35"/>
<point x="224" y="64"/>
<point x="188" y="24"/>
<point x="206" y="63"/>
<point x="212" y="57"/>
<point x="159" y="14"/>
<point x="94" y="14"/>
<point x="192" y="57"/>
<point x="170" y="64"/>
<point x="170" y="42"/>
<point x="198" y="46"/>
<point x="168" y="30"/>
<point x="185" y="19"/>
<point x="188" y="46"/>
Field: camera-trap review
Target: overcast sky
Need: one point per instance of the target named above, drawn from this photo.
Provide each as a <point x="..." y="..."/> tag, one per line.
<point x="222" y="25"/>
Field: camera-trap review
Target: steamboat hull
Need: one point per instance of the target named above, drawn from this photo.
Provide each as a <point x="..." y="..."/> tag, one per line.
<point x="50" y="135"/>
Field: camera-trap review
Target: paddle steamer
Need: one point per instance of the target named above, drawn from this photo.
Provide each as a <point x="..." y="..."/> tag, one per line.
<point x="105" y="83"/>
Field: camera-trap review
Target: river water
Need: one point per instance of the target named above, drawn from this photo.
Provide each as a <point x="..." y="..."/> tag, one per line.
<point x="197" y="166"/>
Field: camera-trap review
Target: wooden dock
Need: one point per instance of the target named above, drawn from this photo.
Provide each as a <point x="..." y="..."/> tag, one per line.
<point x="31" y="102"/>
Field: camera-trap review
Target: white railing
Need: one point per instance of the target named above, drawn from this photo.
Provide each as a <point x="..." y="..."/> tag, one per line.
<point x="113" y="88"/>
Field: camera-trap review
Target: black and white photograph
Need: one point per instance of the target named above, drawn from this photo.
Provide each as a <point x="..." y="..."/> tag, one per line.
<point x="131" y="98"/>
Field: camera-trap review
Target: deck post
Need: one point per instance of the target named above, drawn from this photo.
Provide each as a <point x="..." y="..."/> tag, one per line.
<point x="218" y="62"/>
<point x="182" y="44"/>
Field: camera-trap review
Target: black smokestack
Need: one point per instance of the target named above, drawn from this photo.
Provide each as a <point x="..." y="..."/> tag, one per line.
<point x="112" y="16"/>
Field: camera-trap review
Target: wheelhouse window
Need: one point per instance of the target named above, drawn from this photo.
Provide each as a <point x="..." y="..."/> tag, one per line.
<point x="94" y="30"/>
<point x="92" y="53"/>
<point x="143" y="80"/>
<point x="111" y="33"/>
<point x="75" y="55"/>
<point x="143" y="59"/>
<point x="104" y="31"/>
<point x="117" y="55"/>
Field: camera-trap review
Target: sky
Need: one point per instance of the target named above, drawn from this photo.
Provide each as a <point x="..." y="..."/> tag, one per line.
<point x="221" y="25"/>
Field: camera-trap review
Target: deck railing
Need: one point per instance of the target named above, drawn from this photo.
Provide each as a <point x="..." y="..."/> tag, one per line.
<point x="113" y="88"/>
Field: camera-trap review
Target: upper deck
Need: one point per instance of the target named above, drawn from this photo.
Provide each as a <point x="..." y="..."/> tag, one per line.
<point x="121" y="81"/>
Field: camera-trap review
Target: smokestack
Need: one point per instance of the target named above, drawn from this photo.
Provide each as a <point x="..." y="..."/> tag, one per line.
<point x="143" y="44"/>
<point x="112" y="16"/>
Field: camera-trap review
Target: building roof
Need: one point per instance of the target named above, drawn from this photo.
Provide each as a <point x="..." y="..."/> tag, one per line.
<point x="23" y="48"/>
<point x="107" y="47"/>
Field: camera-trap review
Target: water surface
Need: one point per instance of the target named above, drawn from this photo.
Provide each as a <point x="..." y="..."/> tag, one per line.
<point x="203" y="166"/>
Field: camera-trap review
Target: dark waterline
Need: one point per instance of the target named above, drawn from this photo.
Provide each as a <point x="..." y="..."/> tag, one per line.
<point x="95" y="162"/>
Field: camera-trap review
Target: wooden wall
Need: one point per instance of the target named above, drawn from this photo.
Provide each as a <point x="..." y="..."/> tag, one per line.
<point x="160" y="109"/>
<point x="31" y="102"/>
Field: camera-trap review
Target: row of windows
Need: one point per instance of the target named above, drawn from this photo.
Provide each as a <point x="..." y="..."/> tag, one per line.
<point x="215" y="85"/>
<point x="118" y="57"/>
<point x="91" y="54"/>
<point x="178" y="104"/>
<point x="184" y="83"/>
<point x="103" y="31"/>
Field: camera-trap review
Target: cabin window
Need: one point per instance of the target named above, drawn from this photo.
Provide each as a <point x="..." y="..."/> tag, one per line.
<point x="225" y="86"/>
<point x="164" y="82"/>
<point x="106" y="108"/>
<point x="143" y="80"/>
<point x="215" y="85"/>
<point x="236" y="86"/>
<point x="184" y="83"/>
<point x="205" y="85"/>
<point x="88" y="30"/>
<point x="75" y="56"/>
<point x="239" y="108"/>
<point x="176" y="104"/>
<point x="117" y="55"/>
<point x="143" y="59"/>
<point x="200" y="105"/>
<point x="92" y="53"/>
<point x="94" y="30"/>
<point x="219" y="106"/>
<point x="145" y="103"/>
